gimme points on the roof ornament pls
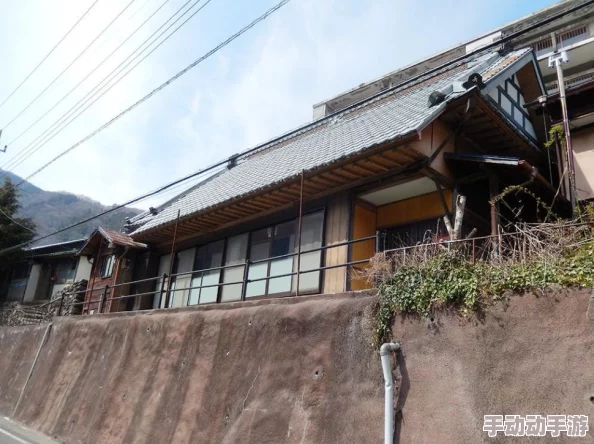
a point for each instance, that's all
(474, 79)
(435, 98)
(232, 161)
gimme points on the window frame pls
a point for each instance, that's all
(103, 271)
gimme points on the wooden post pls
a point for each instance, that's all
(62, 304)
(493, 191)
(103, 299)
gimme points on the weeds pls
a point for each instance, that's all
(430, 277)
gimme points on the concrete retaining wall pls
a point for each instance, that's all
(297, 372)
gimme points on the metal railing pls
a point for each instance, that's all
(506, 245)
(99, 299)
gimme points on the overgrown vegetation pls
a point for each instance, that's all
(469, 276)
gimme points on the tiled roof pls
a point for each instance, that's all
(111, 236)
(389, 116)
(120, 239)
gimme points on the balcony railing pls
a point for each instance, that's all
(564, 40)
(515, 246)
(571, 81)
(101, 297)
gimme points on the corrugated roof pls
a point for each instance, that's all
(388, 117)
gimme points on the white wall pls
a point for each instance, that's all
(83, 269)
(32, 283)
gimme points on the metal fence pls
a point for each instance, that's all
(100, 298)
(517, 245)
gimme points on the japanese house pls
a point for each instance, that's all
(299, 213)
(47, 269)
(113, 255)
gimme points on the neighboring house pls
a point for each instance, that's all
(572, 33)
(393, 163)
(113, 255)
(46, 270)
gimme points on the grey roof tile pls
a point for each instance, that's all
(381, 119)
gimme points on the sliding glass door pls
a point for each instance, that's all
(208, 256)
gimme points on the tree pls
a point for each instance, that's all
(13, 230)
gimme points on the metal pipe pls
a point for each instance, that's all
(171, 258)
(299, 234)
(568, 147)
(384, 352)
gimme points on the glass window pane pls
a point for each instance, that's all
(195, 292)
(311, 231)
(208, 256)
(280, 267)
(65, 271)
(310, 281)
(209, 294)
(235, 254)
(283, 243)
(184, 264)
(284, 239)
(260, 249)
(258, 288)
(311, 237)
(232, 292)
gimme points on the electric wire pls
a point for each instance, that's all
(328, 117)
(54, 129)
(90, 73)
(48, 54)
(15, 222)
(68, 67)
(85, 78)
(178, 181)
(160, 87)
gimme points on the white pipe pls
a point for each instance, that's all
(385, 350)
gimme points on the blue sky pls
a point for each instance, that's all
(261, 85)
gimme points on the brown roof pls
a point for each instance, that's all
(113, 237)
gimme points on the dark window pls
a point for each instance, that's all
(426, 231)
(21, 271)
(65, 271)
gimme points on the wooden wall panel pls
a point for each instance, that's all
(364, 225)
(431, 139)
(337, 231)
(412, 210)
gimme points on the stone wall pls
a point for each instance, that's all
(297, 371)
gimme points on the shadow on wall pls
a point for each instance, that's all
(403, 389)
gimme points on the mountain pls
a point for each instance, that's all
(53, 210)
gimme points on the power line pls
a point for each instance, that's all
(178, 181)
(68, 67)
(328, 117)
(160, 87)
(49, 53)
(15, 222)
(47, 135)
(89, 74)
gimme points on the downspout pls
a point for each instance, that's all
(385, 350)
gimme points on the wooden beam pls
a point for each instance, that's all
(362, 168)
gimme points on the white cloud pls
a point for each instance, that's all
(260, 86)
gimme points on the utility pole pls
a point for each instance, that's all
(3, 150)
(555, 61)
